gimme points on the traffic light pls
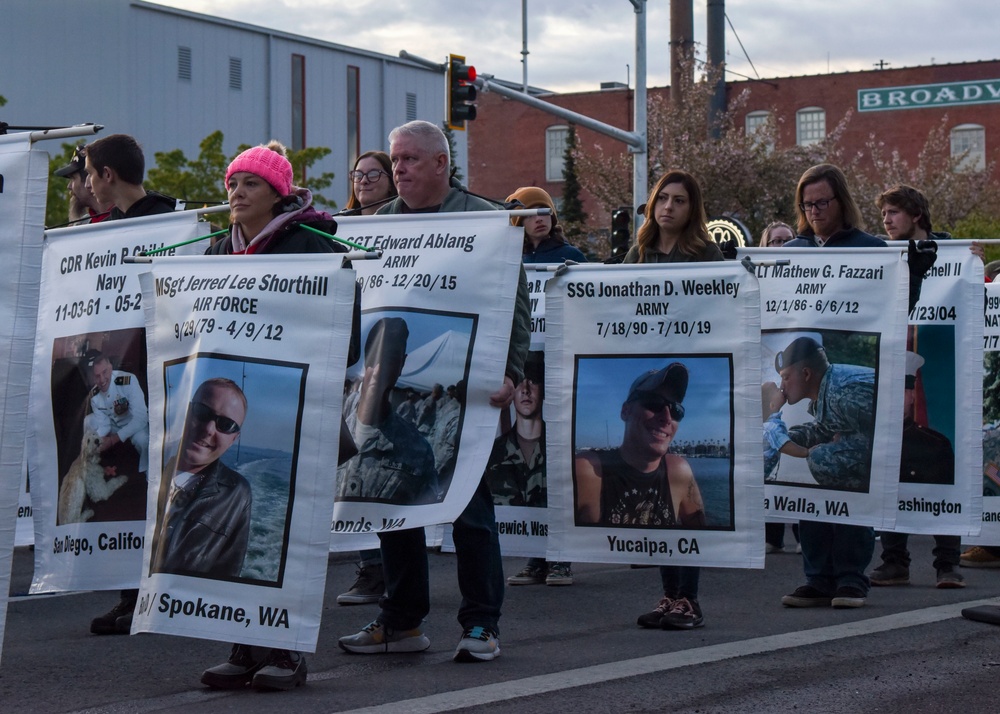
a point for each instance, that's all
(621, 231)
(460, 93)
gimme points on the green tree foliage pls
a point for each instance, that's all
(991, 387)
(197, 181)
(57, 198)
(571, 214)
(3, 100)
(450, 136)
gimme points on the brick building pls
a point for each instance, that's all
(511, 144)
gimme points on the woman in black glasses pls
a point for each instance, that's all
(371, 183)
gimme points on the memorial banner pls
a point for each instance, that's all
(990, 532)
(23, 177)
(89, 439)
(940, 489)
(246, 366)
(653, 439)
(436, 318)
(833, 342)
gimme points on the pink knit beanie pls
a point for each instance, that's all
(269, 165)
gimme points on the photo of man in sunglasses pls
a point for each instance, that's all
(639, 484)
(203, 509)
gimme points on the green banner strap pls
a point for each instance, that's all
(331, 237)
(187, 242)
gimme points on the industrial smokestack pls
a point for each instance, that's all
(717, 61)
(681, 45)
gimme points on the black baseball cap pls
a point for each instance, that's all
(77, 165)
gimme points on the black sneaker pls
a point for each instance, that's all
(848, 597)
(651, 620)
(367, 589)
(107, 624)
(684, 614)
(235, 673)
(806, 596)
(890, 574)
(282, 669)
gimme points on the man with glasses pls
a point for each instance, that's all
(835, 555)
(203, 511)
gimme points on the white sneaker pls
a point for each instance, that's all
(477, 645)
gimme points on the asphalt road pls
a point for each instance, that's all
(572, 649)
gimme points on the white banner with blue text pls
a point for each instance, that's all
(940, 488)
(833, 343)
(23, 177)
(246, 366)
(653, 445)
(89, 436)
(990, 425)
(436, 312)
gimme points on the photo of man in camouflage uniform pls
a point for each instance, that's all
(395, 463)
(842, 405)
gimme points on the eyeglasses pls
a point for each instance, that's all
(656, 404)
(373, 176)
(204, 414)
(819, 205)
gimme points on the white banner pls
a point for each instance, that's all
(833, 326)
(516, 469)
(23, 178)
(940, 489)
(653, 444)
(25, 532)
(89, 436)
(436, 313)
(246, 367)
(990, 533)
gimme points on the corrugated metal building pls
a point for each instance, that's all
(170, 78)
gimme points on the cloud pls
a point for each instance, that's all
(573, 46)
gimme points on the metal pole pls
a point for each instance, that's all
(65, 133)
(640, 153)
(524, 44)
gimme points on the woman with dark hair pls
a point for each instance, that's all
(269, 215)
(371, 183)
(675, 229)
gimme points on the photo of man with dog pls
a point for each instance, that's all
(102, 426)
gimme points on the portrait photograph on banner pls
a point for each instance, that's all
(621, 425)
(407, 391)
(833, 354)
(255, 408)
(247, 362)
(845, 363)
(99, 396)
(990, 428)
(89, 453)
(653, 450)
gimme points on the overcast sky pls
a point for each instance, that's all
(575, 45)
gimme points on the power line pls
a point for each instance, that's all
(745, 54)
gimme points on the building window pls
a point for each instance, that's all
(411, 106)
(757, 121)
(235, 73)
(353, 114)
(298, 102)
(184, 63)
(810, 126)
(555, 152)
(969, 141)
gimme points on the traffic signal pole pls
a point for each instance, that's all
(635, 140)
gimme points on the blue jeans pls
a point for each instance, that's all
(480, 570)
(680, 581)
(835, 555)
(947, 550)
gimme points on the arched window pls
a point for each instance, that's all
(969, 141)
(810, 126)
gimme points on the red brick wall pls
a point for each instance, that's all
(507, 140)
